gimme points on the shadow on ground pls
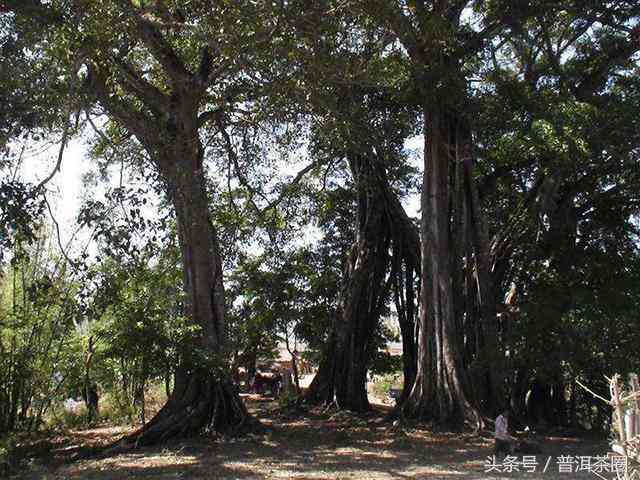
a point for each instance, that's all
(313, 446)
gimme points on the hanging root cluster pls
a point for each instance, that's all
(385, 255)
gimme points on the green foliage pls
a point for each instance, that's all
(549, 91)
(283, 298)
(383, 383)
(19, 216)
(289, 400)
(61, 418)
(7, 454)
(38, 348)
(138, 328)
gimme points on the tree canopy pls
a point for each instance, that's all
(266, 193)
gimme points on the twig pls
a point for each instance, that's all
(233, 157)
(631, 396)
(99, 132)
(608, 402)
(299, 176)
(55, 223)
(63, 144)
(19, 162)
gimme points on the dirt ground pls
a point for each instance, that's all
(311, 445)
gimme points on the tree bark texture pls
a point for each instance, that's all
(363, 293)
(441, 391)
(386, 242)
(204, 397)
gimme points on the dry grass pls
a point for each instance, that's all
(308, 445)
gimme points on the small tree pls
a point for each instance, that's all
(38, 349)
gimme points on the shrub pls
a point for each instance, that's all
(384, 383)
(289, 400)
(7, 455)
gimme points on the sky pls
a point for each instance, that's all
(66, 190)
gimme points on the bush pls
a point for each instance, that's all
(289, 400)
(115, 410)
(7, 455)
(67, 415)
(384, 383)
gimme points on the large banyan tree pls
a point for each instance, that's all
(361, 121)
(163, 74)
(383, 257)
(466, 265)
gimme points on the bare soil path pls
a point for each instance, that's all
(308, 445)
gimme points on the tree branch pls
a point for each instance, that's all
(608, 402)
(477, 40)
(63, 144)
(586, 87)
(148, 94)
(209, 115)
(161, 49)
(234, 159)
(133, 120)
(57, 227)
(400, 24)
(299, 176)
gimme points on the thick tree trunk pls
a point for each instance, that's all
(541, 407)
(382, 226)
(441, 390)
(321, 389)
(167, 125)
(573, 417)
(559, 404)
(343, 372)
(360, 309)
(204, 397)
(167, 384)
